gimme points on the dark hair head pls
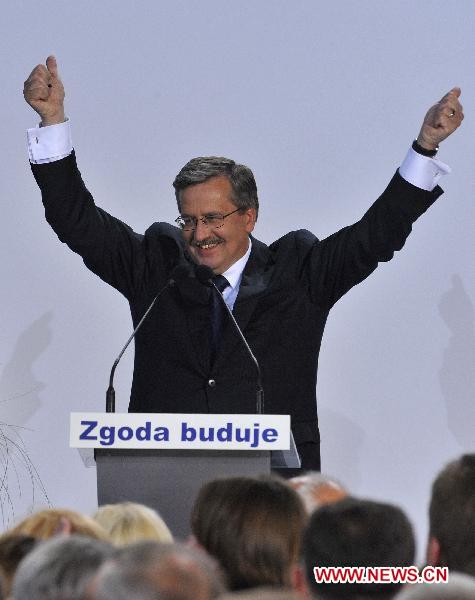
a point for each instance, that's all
(252, 527)
(202, 168)
(357, 533)
(452, 514)
(13, 549)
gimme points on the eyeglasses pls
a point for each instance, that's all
(215, 221)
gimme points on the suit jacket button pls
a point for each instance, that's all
(211, 383)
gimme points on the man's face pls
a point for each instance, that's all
(217, 248)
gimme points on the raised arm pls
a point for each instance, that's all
(108, 247)
(347, 257)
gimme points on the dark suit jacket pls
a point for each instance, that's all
(286, 292)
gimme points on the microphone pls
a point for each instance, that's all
(205, 276)
(181, 271)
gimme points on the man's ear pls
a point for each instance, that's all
(64, 527)
(298, 581)
(433, 552)
(251, 219)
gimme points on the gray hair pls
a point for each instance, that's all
(60, 568)
(459, 587)
(202, 168)
(169, 570)
(262, 593)
(116, 584)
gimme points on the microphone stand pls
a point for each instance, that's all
(179, 272)
(205, 275)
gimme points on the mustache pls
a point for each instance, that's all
(207, 241)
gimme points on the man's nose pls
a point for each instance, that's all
(201, 232)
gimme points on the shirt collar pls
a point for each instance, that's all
(235, 271)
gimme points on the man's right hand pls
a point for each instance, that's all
(44, 92)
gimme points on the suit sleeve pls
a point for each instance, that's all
(339, 262)
(110, 248)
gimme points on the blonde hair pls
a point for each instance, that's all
(129, 522)
(54, 521)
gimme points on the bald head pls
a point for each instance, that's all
(316, 489)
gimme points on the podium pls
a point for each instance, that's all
(168, 480)
(168, 476)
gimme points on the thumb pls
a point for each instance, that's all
(456, 91)
(52, 66)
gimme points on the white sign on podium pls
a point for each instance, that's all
(166, 431)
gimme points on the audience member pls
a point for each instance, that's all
(116, 584)
(60, 568)
(55, 521)
(263, 593)
(317, 489)
(13, 548)
(459, 587)
(252, 527)
(452, 517)
(170, 571)
(355, 532)
(129, 522)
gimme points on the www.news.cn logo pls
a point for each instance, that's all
(402, 575)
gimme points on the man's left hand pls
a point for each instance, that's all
(441, 120)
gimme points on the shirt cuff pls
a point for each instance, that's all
(51, 143)
(422, 171)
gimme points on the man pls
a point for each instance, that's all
(356, 533)
(316, 489)
(263, 593)
(13, 549)
(452, 517)
(60, 568)
(164, 570)
(280, 295)
(459, 587)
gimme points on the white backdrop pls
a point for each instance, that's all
(322, 100)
